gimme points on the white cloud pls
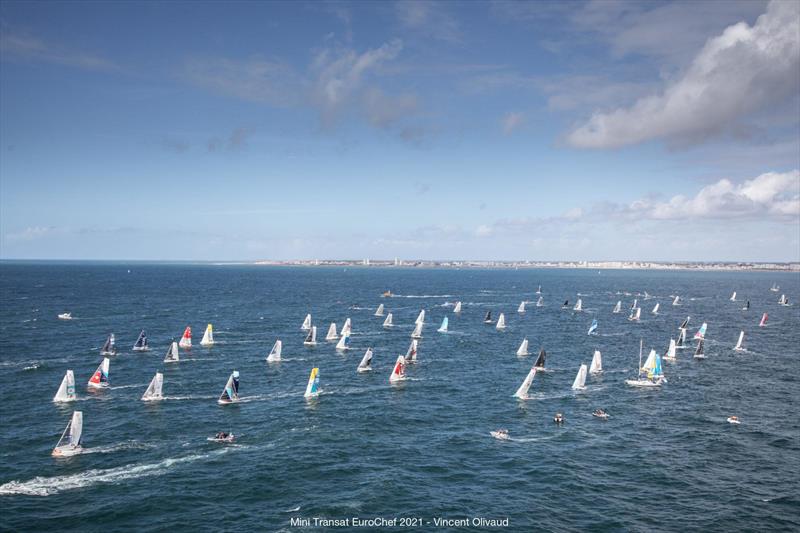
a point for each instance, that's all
(512, 121)
(742, 71)
(483, 231)
(26, 47)
(430, 18)
(31, 233)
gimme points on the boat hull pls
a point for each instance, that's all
(67, 451)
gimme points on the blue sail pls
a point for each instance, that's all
(592, 327)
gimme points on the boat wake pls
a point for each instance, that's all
(128, 386)
(423, 296)
(129, 445)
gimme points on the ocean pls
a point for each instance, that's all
(418, 453)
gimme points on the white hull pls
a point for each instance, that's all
(103, 385)
(645, 383)
(67, 451)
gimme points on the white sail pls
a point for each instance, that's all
(173, 356)
(366, 362)
(523, 348)
(141, 343)
(700, 353)
(311, 338)
(522, 391)
(99, 379)
(208, 336)
(344, 343)
(676, 301)
(580, 379)
(540, 302)
(347, 328)
(306, 323)
(650, 362)
(655, 309)
(733, 296)
(457, 308)
(782, 300)
(681, 339)
(66, 391)
(275, 353)
(501, 322)
(420, 318)
(670, 355)
(379, 312)
(109, 347)
(417, 333)
(312, 388)
(578, 305)
(153, 391)
(539, 290)
(332, 335)
(388, 322)
(398, 370)
(70, 442)
(443, 327)
(411, 354)
(739, 347)
(230, 394)
(597, 363)
(636, 313)
(618, 307)
(521, 308)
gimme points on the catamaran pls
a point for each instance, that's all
(420, 318)
(66, 391)
(501, 322)
(701, 333)
(648, 378)
(523, 348)
(398, 370)
(311, 338)
(681, 343)
(347, 328)
(153, 392)
(99, 379)
(230, 394)
(312, 388)
(522, 391)
(593, 327)
(580, 379)
(443, 327)
(488, 318)
(618, 307)
(109, 348)
(775, 288)
(636, 313)
(388, 322)
(539, 364)
(739, 347)
(275, 353)
(417, 333)
(578, 305)
(596, 367)
(173, 356)
(208, 336)
(670, 354)
(411, 354)
(733, 296)
(306, 325)
(699, 353)
(344, 343)
(655, 309)
(676, 301)
(141, 343)
(73, 434)
(366, 362)
(457, 308)
(540, 302)
(186, 338)
(763, 322)
(379, 312)
(521, 308)
(332, 335)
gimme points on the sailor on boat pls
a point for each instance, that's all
(501, 434)
(733, 419)
(600, 413)
(559, 418)
(223, 436)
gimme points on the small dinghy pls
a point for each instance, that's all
(596, 366)
(366, 362)
(739, 347)
(65, 316)
(676, 301)
(306, 323)
(540, 302)
(580, 379)
(344, 343)
(388, 322)
(488, 318)
(539, 364)
(523, 348)
(398, 370)
(618, 307)
(593, 327)
(347, 328)
(312, 388)
(411, 354)
(311, 338)
(784, 301)
(66, 391)
(501, 322)
(566, 305)
(223, 437)
(99, 379)
(443, 327)
(379, 311)
(70, 442)
(522, 391)
(733, 420)
(109, 347)
(173, 355)
(501, 434)
(457, 308)
(332, 335)
(521, 308)
(141, 343)
(578, 305)
(208, 336)
(558, 418)
(746, 306)
(655, 309)
(275, 353)
(733, 297)
(774, 288)
(153, 392)
(601, 414)
(230, 394)
(186, 338)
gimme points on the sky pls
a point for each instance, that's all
(584, 130)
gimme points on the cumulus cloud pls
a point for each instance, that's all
(18, 46)
(512, 121)
(740, 72)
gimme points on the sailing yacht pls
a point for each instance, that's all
(65, 316)
(275, 353)
(523, 348)
(347, 329)
(521, 308)
(566, 305)
(311, 338)
(681, 343)
(578, 305)
(488, 318)
(636, 313)
(417, 333)
(186, 338)
(443, 327)
(420, 318)
(99, 379)
(66, 391)
(670, 355)
(153, 392)
(733, 296)
(593, 327)
(306, 325)
(344, 343)
(774, 288)
(411, 354)
(141, 343)
(312, 388)
(539, 290)
(332, 335)
(763, 322)
(208, 336)
(739, 347)
(398, 370)
(70, 442)
(580, 379)
(540, 360)
(457, 308)
(501, 322)
(230, 394)
(618, 307)
(701, 333)
(540, 302)
(648, 378)
(173, 356)
(379, 312)
(596, 367)
(746, 306)
(366, 362)
(522, 391)
(655, 309)
(109, 348)
(700, 353)
(784, 301)
(388, 322)
(676, 301)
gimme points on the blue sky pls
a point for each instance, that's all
(438, 130)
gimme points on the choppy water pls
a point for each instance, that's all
(666, 460)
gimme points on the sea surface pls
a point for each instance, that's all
(666, 460)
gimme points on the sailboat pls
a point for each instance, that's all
(332, 335)
(70, 442)
(275, 353)
(540, 302)
(411, 354)
(699, 353)
(141, 343)
(312, 388)
(457, 308)
(523, 348)
(208, 336)
(522, 391)
(763, 322)
(417, 333)
(109, 348)
(344, 343)
(65, 316)
(578, 305)
(388, 322)
(420, 318)
(618, 307)
(521, 308)
(501, 322)
(540, 360)
(306, 323)
(655, 309)
(746, 306)
(596, 366)
(173, 356)
(66, 391)
(636, 313)
(739, 347)
(676, 301)
(539, 290)
(153, 392)
(186, 338)
(701, 333)
(652, 378)
(681, 343)
(566, 305)
(580, 379)
(593, 327)
(443, 327)
(774, 288)
(311, 338)
(783, 300)
(488, 318)
(379, 311)
(366, 362)
(650, 362)
(685, 323)
(347, 328)
(398, 370)
(230, 394)
(99, 379)
(733, 296)
(670, 355)
(635, 304)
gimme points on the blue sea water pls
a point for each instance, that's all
(666, 460)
